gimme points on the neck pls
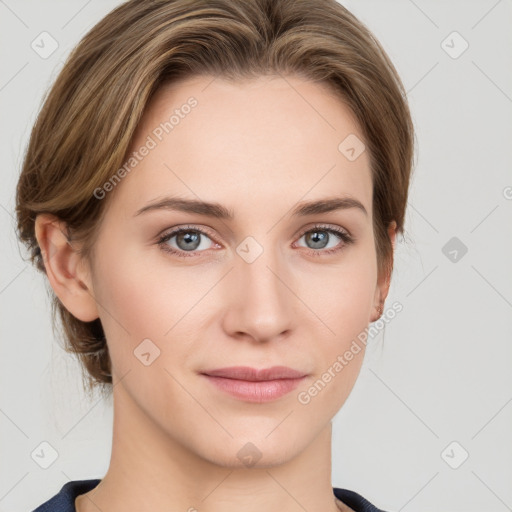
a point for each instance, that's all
(149, 470)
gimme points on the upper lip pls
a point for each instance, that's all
(253, 374)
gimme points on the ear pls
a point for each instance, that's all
(65, 269)
(384, 281)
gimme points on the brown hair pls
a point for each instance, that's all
(89, 116)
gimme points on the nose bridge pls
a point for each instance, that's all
(258, 264)
(261, 303)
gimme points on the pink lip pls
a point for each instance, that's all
(254, 385)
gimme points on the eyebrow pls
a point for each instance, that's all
(216, 210)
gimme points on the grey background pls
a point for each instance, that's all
(439, 372)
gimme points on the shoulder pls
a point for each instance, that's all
(64, 500)
(355, 501)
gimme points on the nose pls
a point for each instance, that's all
(260, 305)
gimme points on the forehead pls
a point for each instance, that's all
(264, 139)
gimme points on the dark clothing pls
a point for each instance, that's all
(64, 500)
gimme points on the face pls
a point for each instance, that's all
(263, 285)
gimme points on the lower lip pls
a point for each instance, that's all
(252, 391)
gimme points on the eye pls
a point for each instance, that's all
(190, 241)
(325, 240)
(186, 239)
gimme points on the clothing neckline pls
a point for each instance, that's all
(64, 500)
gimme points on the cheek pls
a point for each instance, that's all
(345, 306)
(345, 297)
(146, 298)
(339, 351)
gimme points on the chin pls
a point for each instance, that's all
(254, 451)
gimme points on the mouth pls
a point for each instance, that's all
(253, 385)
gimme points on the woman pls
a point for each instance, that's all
(213, 190)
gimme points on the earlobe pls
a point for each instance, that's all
(64, 268)
(385, 281)
(392, 236)
(392, 233)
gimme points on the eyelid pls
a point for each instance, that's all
(321, 225)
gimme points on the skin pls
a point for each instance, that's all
(259, 147)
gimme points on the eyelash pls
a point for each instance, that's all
(345, 237)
